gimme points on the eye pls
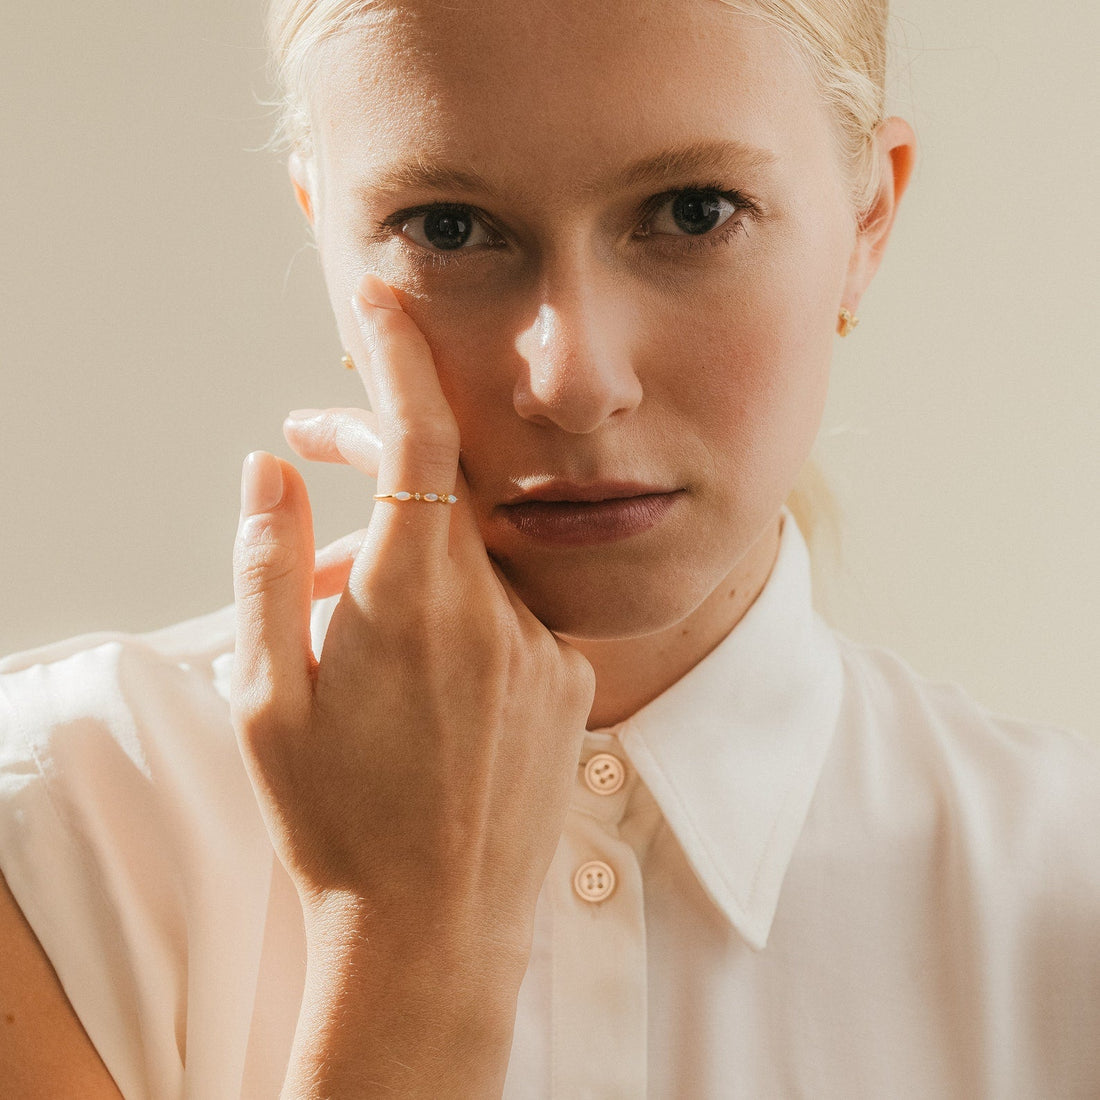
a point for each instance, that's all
(695, 216)
(444, 228)
(694, 212)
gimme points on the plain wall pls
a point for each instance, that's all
(161, 309)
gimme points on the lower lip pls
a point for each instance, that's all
(585, 523)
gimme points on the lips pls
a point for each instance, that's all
(559, 489)
(569, 514)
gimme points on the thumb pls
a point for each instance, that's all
(272, 584)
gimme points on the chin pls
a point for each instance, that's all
(608, 603)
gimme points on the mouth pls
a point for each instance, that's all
(564, 513)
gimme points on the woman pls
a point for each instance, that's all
(579, 798)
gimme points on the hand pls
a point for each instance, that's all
(349, 437)
(417, 774)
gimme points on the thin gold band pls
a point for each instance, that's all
(426, 498)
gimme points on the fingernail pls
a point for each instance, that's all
(261, 483)
(302, 415)
(375, 292)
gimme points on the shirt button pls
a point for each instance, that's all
(604, 773)
(594, 880)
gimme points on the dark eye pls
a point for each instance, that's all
(692, 213)
(444, 228)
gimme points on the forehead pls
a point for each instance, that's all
(527, 90)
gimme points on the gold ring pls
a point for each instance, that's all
(428, 498)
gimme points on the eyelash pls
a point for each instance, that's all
(743, 205)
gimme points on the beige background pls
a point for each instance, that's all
(161, 309)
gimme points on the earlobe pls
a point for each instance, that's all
(301, 180)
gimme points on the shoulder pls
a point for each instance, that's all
(119, 720)
(96, 736)
(961, 845)
(125, 739)
(1009, 793)
(125, 728)
(150, 700)
(102, 685)
(887, 698)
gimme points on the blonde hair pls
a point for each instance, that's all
(843, 42)
(295, 29)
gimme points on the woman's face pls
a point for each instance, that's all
(625, 233)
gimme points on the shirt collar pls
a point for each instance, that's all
(732, 751)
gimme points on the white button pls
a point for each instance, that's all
(604, 773)
(594, 880)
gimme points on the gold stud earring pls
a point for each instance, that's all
(346, 360)
(847, 321)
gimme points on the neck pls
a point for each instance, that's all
(631, 672)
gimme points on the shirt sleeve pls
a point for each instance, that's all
(130, 839)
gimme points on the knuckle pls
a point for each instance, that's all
(252, 711)
(252, 708)
(580, 676)
(428, 442)
(345, 438)
(262, 719)
(261, 559)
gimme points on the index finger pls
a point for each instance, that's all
(420, 441)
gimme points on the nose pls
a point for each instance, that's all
(579, 370)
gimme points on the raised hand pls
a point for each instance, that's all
(345, 436)
(414, 778)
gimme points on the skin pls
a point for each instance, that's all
(579, 349)
(414, 778)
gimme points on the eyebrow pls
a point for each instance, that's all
(694, 158)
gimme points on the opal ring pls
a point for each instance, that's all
(428, 498)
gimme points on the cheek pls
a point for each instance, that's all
(474, 354)
(757, 357)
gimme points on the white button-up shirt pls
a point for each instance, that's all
(802, 871)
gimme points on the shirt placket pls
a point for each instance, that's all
(598, 992)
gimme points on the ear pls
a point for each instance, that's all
(301, 178)
(896, 147)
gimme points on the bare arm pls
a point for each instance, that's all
(45, 1053)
